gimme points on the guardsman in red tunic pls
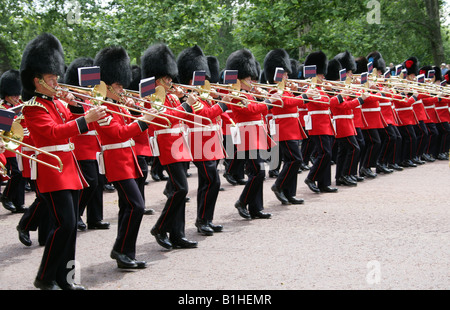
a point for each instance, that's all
(342, 110)
(51, 125)
(118, 156)
(285, 129)
(13, 197)
(205, 143)
(442, 109)
(254, 138)
(87, 145)
(412, 68)
(158, 61)
(320, 127)
(430, 102)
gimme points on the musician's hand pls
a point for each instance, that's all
(95, 113)
(67, 97)
(192, 99)
(416, 93)
(364, 96)
(311, 93)
(150, 117)
(2, 146)
(128, 102)
(346, 93)
(177, 91)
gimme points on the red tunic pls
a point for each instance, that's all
(342, 110)
(252, 128)
(320, 114)
(120, 161)
(51, 124)
(286, 119)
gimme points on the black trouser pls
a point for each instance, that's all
(131, 210)
(172, 218)
(252, 194)
(371, 151)
(92, 196)
(59, 253)
(390, 144)
(208, 189)
(321, 169)
(433, 139)
(347, 156)
(422, 138)
(307, 149)
(233, 165)
(444, 134)
(292, 159)
(15, 187)
(409, 142)
(143, 164)
(36, 216)
(157, 168)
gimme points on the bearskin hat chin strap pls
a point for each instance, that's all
(46, 86)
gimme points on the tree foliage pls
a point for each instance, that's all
(220, 27)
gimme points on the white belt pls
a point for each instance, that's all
(204, 129)
(58, 148)
(371, 110)
(385, 104)
(296, 115)
(170, 130)
(250, 123)
(319, 112)
(350, 116)
(430, 107)
(27, 149)
(118, 145)
(441, 108)
(404, 109)
(302, 110)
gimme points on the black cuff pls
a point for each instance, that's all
(305, 97)
(340, 99)
(361, 100)
(187, 107)
(143, 125)
(82, 125)
(223, 106)
(134, 113)
(79, 110)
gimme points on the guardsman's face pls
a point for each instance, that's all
(118, 88)
(12, 99)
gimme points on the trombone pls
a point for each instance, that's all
(13, 139)
(157, 101)
(98, 93)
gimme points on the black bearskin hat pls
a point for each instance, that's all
(190, 60)
(214, 68)
(437, 73)
(295, 66)
(320, 60)
(135, 77)
(42, 55)
(10, 84)
(71, 75)
(347, 61)
(159, 61)
(274, 59)
(243, 61)
(378, 61)
(114, 65)
(411, 65)
(361, 65)
(334, 66)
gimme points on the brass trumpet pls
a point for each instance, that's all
(157, 101)
(13, 139)
(97, 95)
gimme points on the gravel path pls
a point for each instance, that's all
(388, 233)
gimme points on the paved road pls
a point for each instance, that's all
(388, 233)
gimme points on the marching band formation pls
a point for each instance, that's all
(347, 111)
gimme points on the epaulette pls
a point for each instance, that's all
(33, 103)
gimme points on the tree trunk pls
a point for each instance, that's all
(433, 10)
